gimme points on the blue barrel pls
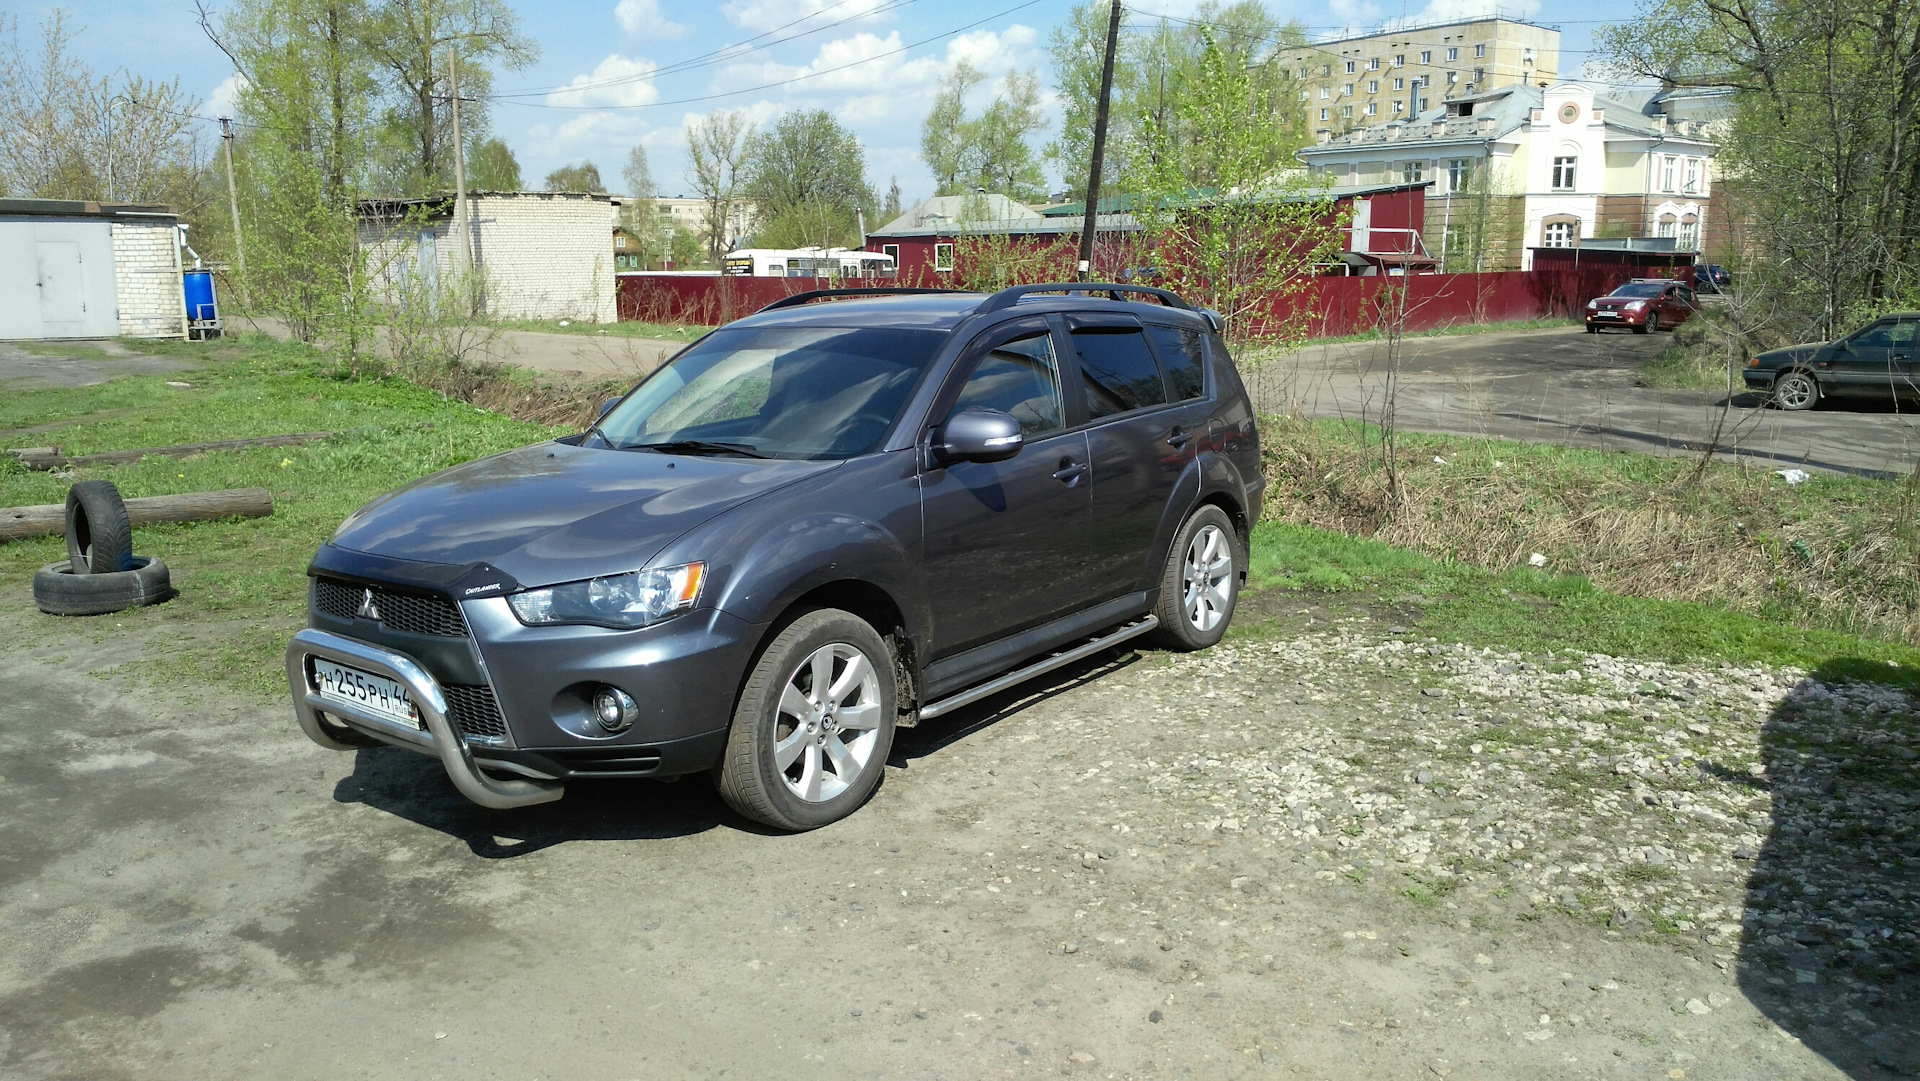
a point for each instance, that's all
(200, 305)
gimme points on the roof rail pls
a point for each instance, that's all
(798, 299)
(1007, 298)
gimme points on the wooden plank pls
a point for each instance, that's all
(39, 521)
(120, 457)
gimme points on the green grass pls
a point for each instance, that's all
(1531, 611)
(1690, 367)
(669, 331)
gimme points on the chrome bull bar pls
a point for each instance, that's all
(439, 740)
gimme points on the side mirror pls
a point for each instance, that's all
(607, 405)
(978, 435)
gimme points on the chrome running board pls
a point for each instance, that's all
(1045, 664)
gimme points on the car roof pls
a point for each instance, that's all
(944, 311)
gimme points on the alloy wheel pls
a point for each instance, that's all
(828, 722)
(1203, 575)
(1795, 391)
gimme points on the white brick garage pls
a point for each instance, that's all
(72, 269)
(543, 255)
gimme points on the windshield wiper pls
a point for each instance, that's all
(698, 446)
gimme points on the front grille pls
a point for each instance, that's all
(413, 613)
(474, 712)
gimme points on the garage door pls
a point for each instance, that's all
(56, 280)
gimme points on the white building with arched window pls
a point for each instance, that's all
(1523, 167)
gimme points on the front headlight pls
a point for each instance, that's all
(619, 600)
(1637, 305)
(1593, 305)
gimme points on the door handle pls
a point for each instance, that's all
(1179, 438)
(1069, 472)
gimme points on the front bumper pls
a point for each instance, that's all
(1616, 317)
(439, 740)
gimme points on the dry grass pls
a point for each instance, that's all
(516, 392)
(1835, 553)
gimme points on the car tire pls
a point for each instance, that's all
(1591, 329)
(1198, 593)
(99, 533)
(832, 762)
(1795, 391)
(58, 591)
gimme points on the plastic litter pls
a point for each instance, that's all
(1793, 476)
(1536, 560)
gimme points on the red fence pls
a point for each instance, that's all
(1337, 306)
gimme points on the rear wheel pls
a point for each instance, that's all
(1795, 391)
(1201, 582)
(814, 724)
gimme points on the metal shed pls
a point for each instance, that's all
(73, 269)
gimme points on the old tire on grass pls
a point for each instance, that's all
(1795, 391)
(801, 755)
(1201, 582)
(60, 592)
(99, 533)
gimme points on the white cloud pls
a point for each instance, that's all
(617, 81)
(220, 102)
(642, 17)
(769, 14)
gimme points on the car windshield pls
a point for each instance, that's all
(1640, 289)
(775, 392)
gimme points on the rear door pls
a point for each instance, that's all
(1140, 435)
(1004, 545)
(1864, 363)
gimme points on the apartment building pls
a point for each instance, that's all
(690, 215)
(1526, 166)
(1394, 74)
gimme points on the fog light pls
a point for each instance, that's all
(614, 709)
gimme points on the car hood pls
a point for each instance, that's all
(1621, 302)
(557, 513)
(1791, 354)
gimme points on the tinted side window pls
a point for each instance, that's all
(1020, 378)
(1878, 336)
(1180, 352)
(1116, 370)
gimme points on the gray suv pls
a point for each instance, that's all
(855, 510)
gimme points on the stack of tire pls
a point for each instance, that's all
(100, 574)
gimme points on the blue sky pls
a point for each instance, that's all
(615, 72)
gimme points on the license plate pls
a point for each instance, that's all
(1607, 315)
(366, 690)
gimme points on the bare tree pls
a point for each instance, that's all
(717, 148)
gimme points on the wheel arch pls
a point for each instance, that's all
(871, 603)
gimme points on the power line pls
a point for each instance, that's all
(781, 82)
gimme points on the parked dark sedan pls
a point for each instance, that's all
(1643, 304)
(810, 526)
(1878, 359)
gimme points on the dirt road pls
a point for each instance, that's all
(1566, 386)
(1320, 851)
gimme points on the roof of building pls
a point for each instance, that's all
(441, 202)
(1498, 113)
(950, 211)
(83, 208)
(1318, 44)
(1129, 203)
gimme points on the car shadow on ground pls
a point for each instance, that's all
(1829, 950)
(931, 737)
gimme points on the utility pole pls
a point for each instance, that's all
(461, 231)
(233, 203)
(1099, 144)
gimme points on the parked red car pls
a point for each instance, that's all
(1643, 304)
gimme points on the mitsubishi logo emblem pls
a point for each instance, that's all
(368, 610)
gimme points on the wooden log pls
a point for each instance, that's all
(119, 457)
(34, 455)
(20, 522)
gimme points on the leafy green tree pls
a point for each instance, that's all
(945, 135)
(992, 150)
(717, 151)
(582, 177)
(807, 177)
(1820, 162)
(891, 209)
(491, 166)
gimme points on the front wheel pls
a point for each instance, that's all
(1795, 391)
(814, 724)
(1200, 584)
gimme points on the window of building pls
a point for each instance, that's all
(1526, 56)
(1399, 106)
(1346, 110)
(1349, 67)
(1669, 167)
(1373, 86)
(1669, 226)
(1400, 84)
(1690, 235)
(1326, 114)
(1373, 63)
(1426, 57)
(1452, 77)
(1452, 55)
(892, 251)
(620, 243)
(1347, 89)
(1459, 174)
(1560, 234)
(1563, 173)
(943, 257)
(1413, 172)
(1303, 95)
(1373, 108)
(1326, 70)
(1479, 50)
(1303, 71)
(1479, 75)
(1399, 60)
(1326, 92)
(1693, 176)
